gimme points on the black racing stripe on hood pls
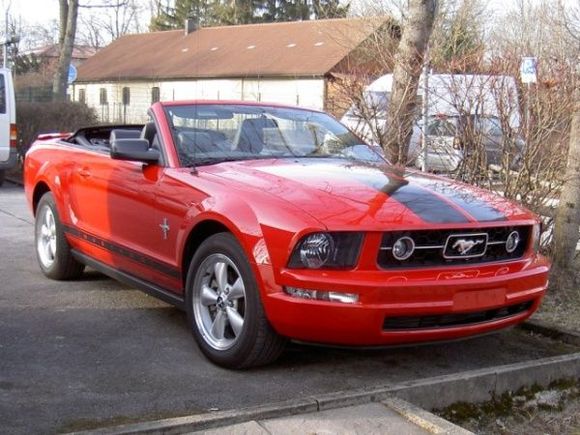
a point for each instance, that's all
(422, 202)
(476, 207)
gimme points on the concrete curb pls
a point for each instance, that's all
(481, 385)
(424, 419)
(438, 392)
(549, 330)
(212, 420)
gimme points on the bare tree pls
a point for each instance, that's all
(111, 20)
(568, 215)
(68, 25)
(408, 64)
(114, 19)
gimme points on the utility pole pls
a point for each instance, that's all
(5, 51)
(425, 109)
(8, 40)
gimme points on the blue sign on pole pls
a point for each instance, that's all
(72, 74)
(528, 69)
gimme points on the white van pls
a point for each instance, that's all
(8, 150)
(453, 99)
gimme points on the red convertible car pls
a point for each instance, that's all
(268, 223)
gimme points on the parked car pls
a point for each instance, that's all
(464, 113)
(267, 223)
(443, 151)
(450, 139)
(8, 150)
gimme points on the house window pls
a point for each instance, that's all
(126, 96)
(155, 95)
(103, 97)
(82, 96)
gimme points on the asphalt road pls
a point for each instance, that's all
(90, 353)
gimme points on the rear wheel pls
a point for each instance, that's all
(2, 176)
(224, 307)
(52, 249)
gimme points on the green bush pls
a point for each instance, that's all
(33, 119)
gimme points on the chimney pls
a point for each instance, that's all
(191, 25)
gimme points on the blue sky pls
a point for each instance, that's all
(43, 11)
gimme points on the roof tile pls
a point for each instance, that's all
(302, 48)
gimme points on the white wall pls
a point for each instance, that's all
(301, 92)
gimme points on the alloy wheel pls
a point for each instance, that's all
(219, 301)
(46, 237)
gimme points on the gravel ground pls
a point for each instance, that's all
(560, 311)
(561, 306)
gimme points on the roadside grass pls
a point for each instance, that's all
(555, 410)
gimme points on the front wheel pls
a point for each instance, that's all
(52, 249)
(224, 307)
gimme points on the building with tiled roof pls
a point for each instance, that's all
(289, 63)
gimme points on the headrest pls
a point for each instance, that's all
(123, 134)
(252, 134)
(149, 131)
(195, 142)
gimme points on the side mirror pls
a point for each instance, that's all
(134, 149)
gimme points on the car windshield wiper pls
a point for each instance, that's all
(222, 159)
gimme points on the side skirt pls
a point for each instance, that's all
(145, 286)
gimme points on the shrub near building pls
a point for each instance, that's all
(38, 118)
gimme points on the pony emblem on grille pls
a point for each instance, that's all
(463, 246)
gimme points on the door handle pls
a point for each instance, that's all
(84, 172)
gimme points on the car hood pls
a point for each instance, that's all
(343, 194)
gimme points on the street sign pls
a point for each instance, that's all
(72, 74)
(528, 69)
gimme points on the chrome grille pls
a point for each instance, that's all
(433, 247)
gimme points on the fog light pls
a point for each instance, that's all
(512, 242)
(345, 298)
(403, 248)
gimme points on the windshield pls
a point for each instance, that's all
(452, 125)
(488, 125)
(374, 104)
(206, 134)
(442, 127)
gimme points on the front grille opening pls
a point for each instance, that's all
(430, 246)
(456, 319)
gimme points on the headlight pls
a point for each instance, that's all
(338, 250)
(316, 250)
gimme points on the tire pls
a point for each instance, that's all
(52, 249)
(224, 309)
(2, 176)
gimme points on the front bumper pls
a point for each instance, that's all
(384, 295)
(12, 160)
